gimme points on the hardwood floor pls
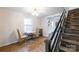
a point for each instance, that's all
(35, 45)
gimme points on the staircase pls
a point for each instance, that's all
(70, 37)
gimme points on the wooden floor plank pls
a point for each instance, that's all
(35, 45)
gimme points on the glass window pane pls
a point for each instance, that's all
(28, 25)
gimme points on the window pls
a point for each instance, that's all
(28, 25)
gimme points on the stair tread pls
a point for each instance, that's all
(73, 29)
(75, 17)
(71, 34)
(71, 41)
(71, 24)
(67, 49)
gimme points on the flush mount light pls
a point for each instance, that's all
(35, 11)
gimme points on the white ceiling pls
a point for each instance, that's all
(45, 11)
(70, 8)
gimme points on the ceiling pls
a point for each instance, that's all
(42, 11)
(70, 8)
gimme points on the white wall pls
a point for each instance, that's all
(36, 23)
(9, 22)
(44, 21)
(44, 25)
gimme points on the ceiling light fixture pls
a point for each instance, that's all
(35, 12)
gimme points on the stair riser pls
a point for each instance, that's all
(76, 15)
(74, 23)
(75, 38)
(65, 43)
(72, 32)
(74, 27)
(73, 19)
